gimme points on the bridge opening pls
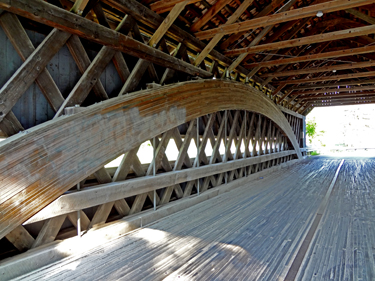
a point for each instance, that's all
(342, 130)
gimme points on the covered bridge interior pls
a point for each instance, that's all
(94, 96)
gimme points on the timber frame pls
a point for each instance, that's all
(83, 82)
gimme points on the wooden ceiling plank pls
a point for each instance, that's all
(309, 11)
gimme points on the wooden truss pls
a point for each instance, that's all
(241, 143)
(156, 45)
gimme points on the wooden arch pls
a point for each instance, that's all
(40, 164)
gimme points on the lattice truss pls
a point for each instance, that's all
(245, 142)
(251, 142)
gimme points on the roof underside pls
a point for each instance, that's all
(304, 53)
(331, 64)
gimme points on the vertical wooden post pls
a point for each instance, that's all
(225, 142)
(154, 169)
(79, 215)
(304, 132)
(245, 140)
(198, 152)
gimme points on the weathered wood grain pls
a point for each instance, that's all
(62, 152)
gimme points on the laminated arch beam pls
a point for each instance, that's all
(38, 165)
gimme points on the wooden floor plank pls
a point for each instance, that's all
(250, 233)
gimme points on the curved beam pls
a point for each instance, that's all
(40, 164)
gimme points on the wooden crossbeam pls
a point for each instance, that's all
(335, 90)
(10, 125)
(234, 37)
(180, 52)
(321, 69)
(361, 16)
(329, 78)
(153, 20)
(49, 231)
(339, 84)
(343, 103)
(24, 47)
(262, 34)
(337, 99)
(31, 69)
(304, 12)
(83, 62)
(294, 31)
(337, 96)
(139, 69)
(34, 66)
(322, 56)
(211, 12)
(20, 238)
(209, 47)
(166, 24)
(163, 6)
(330, 36)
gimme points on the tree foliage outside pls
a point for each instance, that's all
(312, 133)
(311, 128)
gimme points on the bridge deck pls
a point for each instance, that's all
(251, 233)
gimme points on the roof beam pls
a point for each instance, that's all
(211, 12)
(343, 103)
(209, 47)
(368, 98)
(166, 24)
(331, 36)
(323, 56)
(334, 90)
(361, 16)
(152, 20)
(260, 36)
(321, 69)
(167, 5)
(314, 86)
(328, 78)
(45, 13)
(309, 11)
(327, 97)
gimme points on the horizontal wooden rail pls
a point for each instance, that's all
(104, 193)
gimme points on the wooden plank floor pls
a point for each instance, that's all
(344, 246)
(250, 233)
